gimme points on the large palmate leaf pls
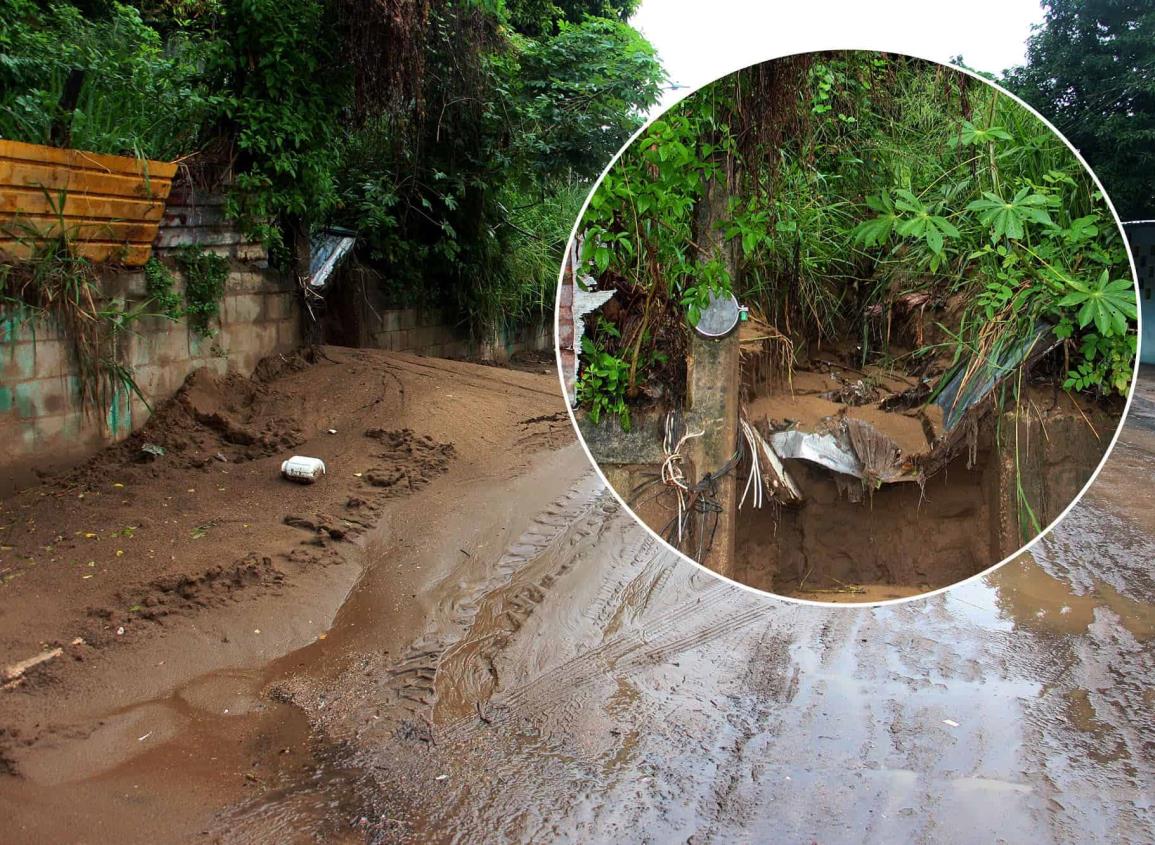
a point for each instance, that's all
(1008, 219)
(970, 135)
(1110, 305)
(923, 223)
(876, 231)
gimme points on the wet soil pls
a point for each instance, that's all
(903, 537)
(149, 574)
(815, 400)
(845, 543)
(521, 662)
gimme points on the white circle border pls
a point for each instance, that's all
(1025, 548)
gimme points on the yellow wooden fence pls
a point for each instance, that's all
(108, 207)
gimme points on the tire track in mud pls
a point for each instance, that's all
(770, 682)
(1095, 712)
(552, 699)
(591, 686)
(448, 669)
(499, 606)
(379, 710)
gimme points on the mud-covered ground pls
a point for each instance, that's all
(520, 662)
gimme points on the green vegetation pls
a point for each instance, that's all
(849, 182)
(1091, 71)
(455, 138)
(468, 200)
(158, 287)
(106, 81)
(57, 284)
(205, 274)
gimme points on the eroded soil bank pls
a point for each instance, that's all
(521, 662)
(843, 543)
(871, 488)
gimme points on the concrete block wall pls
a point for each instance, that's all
(42, 421)
(425, 331)
(428, 332)
(359, 315)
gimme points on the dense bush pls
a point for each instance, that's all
(107, 84)
(896, 177)
(469, 200)
(453, 138)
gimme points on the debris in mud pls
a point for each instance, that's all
(409, 461)
(303, 469)
(876, 452)
(17, 670)
(203, 591)
(150, 452)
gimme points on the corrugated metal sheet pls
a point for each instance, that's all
(969, 383)
(328, 249)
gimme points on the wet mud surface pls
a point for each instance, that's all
(530, 665)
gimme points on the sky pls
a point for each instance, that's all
(700, 40)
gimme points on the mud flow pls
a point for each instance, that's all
(588, 686)
(534, 666)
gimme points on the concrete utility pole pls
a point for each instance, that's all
(712, 382)
(713, 400)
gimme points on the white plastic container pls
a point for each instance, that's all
(302, 469)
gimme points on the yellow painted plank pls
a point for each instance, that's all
(129, 255)
(54, 178)
(85, 160)
(17, 201)
(78, 228)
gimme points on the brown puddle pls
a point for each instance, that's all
(1037, 600)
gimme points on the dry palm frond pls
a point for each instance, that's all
(767, 356)
(875, 450)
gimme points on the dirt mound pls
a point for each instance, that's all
(226, 418)
(408, 462)
(275, 366)
(184, 593)
(212, 413)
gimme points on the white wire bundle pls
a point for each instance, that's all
(755, 479)
(672, 473)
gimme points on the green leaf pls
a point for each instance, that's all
(934, 240)
(602, 258)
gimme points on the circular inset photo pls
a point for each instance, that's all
(848, 326)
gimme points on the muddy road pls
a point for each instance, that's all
(519, 662)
